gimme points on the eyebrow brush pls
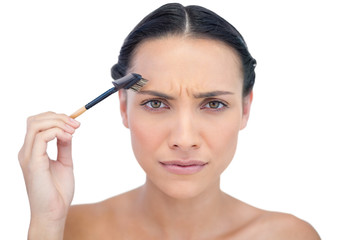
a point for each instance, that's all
(132, 81)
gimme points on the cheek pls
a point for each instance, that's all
(222, 140)
(146, 137)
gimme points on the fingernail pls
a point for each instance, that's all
(74, 121)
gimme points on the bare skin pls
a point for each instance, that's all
(191, 109)
(49, 184)
(124, 217)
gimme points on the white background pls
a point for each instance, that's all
(299, 153)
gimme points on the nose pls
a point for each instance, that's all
(185, 133)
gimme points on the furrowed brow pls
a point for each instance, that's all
(197, 95)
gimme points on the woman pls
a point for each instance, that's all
(184, 126)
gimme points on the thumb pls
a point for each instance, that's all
(64, 151)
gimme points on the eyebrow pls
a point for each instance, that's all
(197, 95)
(212, 94)
(157, 94)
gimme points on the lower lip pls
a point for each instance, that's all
(183, 170)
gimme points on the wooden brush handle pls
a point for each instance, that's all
(78, 112)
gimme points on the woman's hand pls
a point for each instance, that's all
(49, 183)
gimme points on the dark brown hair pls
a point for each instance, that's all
(175, 19)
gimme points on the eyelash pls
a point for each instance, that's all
(224, 105)
(147, 106)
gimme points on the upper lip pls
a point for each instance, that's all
(184, 163)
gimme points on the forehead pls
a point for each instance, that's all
(176, 63)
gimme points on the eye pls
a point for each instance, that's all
(154, 105)
(215, 105)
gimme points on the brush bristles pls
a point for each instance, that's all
(138, 85)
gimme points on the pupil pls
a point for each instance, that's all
(214, 104)
(155, 104)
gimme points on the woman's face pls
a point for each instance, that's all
(184, 122)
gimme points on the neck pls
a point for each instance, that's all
(184, 218)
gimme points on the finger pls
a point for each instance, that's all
(43, 122)
(52, 115)
(64, 152)
(59, 120)
(38, 126)
(39, 157)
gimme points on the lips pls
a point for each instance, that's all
(183, 167)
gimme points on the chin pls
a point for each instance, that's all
(181, 189)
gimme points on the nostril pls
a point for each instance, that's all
(184, 147)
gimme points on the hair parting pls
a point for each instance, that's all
(190, 21)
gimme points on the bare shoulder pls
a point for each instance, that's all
(254, 223)
(78, 219)
(97, 219)
(275, 225)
